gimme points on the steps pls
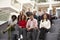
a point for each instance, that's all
(52, 35)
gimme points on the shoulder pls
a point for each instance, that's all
(9, 20)
(15, 21)
(29, 20)
(48, 20)
(25, 21)
(41, 20)
(35, 19)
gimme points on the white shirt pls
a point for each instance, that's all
(10, 22)
(45, 24)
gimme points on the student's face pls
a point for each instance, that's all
(22, 17)
(13, 18)
(45, 16)
(31, 17)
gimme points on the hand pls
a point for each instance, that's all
(20, 27)
(29, 29)
(3, 32)
(36, 28)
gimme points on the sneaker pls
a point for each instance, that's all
(18, 38)
(21, 37)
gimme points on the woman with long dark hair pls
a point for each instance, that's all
(44, 26)
(19, 16)
(22, 27)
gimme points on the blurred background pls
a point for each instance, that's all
(8, 7)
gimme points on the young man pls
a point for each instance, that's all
(11, 28)
(32, 26)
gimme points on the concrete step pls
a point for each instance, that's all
(52, 36)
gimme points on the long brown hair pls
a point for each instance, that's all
(24, 17)
(46, 18)
(21, 13)
(19, 16)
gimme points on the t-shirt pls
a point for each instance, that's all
(10, 22)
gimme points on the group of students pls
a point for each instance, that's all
(28, 26)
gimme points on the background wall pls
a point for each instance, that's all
(5, 3)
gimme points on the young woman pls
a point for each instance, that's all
(11, 28)
(19, 16)
(22, 27)
(44, 26)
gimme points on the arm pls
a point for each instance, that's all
(27, 25)
(36, 24)
(49, 24)
(9, 26)
(40, 24)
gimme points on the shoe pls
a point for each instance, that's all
(21, 37)
(18, 38)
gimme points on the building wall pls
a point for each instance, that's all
(5, 3)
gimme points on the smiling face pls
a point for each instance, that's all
(23, 17)
(31, 17)
(45, 16)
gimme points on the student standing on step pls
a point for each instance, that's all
(45, 25)
(31, 26)
(11, 28)
(22, 27)
(19, 16)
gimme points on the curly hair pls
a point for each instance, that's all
(13, 17)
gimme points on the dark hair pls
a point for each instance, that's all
(28, 14)
(46, 18)
(24, 17)
(31, 14)
(13, 17)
